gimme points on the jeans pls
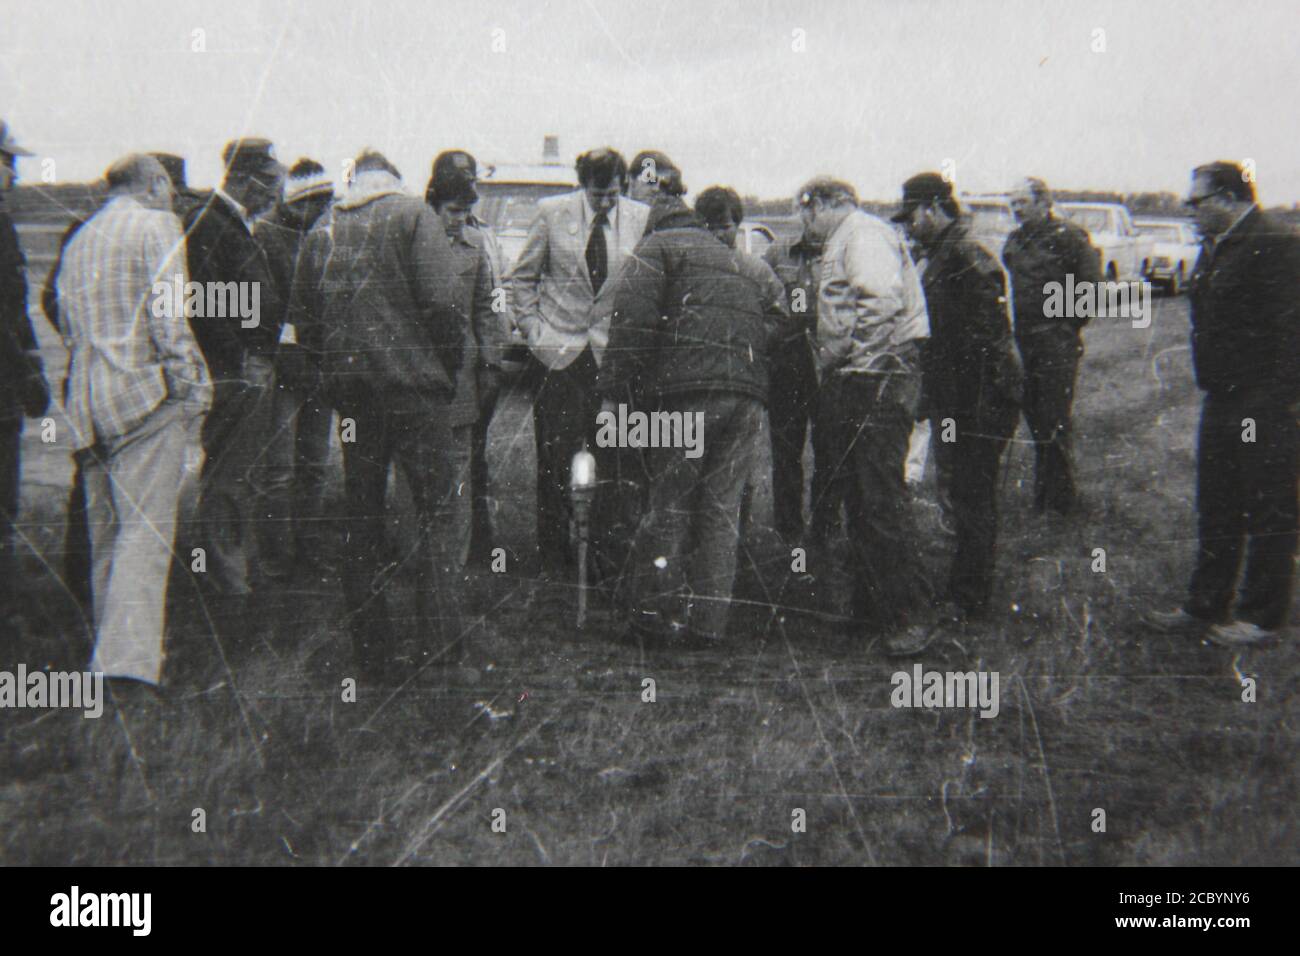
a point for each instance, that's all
(683, 561)
(419, 443)
(868, 418)
(791, 407)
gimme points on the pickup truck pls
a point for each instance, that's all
(1125, 253)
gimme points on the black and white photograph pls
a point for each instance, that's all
(689, 433)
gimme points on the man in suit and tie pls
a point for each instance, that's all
(575, 248)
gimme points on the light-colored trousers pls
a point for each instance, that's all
(133, 486)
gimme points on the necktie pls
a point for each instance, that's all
(598, 253)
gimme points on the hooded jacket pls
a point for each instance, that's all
(376, 298)
(690, 315)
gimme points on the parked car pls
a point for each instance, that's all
(991, 220)
(508, 198)
(1174, 250)
(1125, 254)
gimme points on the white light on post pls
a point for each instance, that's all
(582, 491)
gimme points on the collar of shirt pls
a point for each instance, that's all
(589, 215)
(240, 211)
(1218, 240)
(122, 200)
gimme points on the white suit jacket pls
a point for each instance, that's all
(550, 287)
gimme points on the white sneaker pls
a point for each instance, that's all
(1240, 634)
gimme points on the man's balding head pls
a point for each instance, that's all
(1031, 201)
(143, 177)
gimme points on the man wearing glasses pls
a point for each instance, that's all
(1245, 299)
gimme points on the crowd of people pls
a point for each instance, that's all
(396, 316)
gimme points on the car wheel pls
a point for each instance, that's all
(1176, 282)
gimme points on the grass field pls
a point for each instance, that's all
(548, 723)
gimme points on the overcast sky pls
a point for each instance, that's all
(757, 95)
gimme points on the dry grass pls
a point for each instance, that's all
(548, 723)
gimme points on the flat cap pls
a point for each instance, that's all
(920, 190)
(250, 155)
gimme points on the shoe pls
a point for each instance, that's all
(1241, 634)
(911, 640)
(1177, 621)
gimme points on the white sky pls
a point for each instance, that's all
(882, 89)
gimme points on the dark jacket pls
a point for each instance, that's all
(798, 266)
(281, 234)
(377, 299)
(488, 335)
(689, 316)
(969, 365)
(50, 294)
(22, 378)
(1042, 253)
(220, 249)
(1245, 296)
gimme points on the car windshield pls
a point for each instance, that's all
(1092, 220)
(510, 207)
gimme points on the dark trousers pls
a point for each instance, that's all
(419, 443)
(829, 478)
(481, 513)
(11, 433)
(311, 470)
(1051, 361)
(76, 538)
(290, 479)
(239, 441)
(1246, 504)
(564, 419)
(869, 417)
(683, 562)
(791, 407)
(968, 470)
